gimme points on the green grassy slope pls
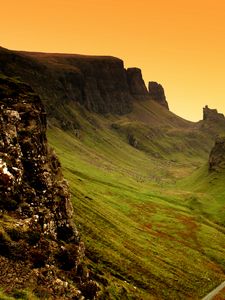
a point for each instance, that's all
(208, 188)
(17, 294)
(146, 237)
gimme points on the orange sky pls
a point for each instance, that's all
(179, 43)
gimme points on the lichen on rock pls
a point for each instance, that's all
(39, 243)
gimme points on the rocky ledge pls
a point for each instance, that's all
(40, 247)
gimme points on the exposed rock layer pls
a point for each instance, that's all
(39, 244)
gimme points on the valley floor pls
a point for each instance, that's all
(147, 235)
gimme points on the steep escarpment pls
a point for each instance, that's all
(99, 83)
(40, 247)
(217, 155)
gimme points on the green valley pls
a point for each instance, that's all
(147, 191)
(147, 235)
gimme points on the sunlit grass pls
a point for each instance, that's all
(146, 239)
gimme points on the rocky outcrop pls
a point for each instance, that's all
(212, 115)
(136, 83)
(40, 246)
(217, 155)
(157, 94)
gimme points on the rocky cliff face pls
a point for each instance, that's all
(157, 93)
(136, 83)
(212, 115)
(217, 155)
(99, 83)
(40, 247)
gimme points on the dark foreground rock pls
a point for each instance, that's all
(40, 247)
(217, 155)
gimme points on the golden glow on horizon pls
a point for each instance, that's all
(178, 43)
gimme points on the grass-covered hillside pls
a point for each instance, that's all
(147, 235)
(149, 211)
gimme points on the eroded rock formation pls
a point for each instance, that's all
(136, 83)
(217, 155)
(212, 114)
(40, 246)
(157, 93)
